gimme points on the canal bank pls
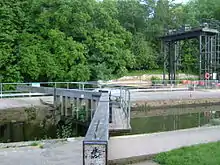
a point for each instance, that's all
(121, 150)
(35, 118)
(30, 119)
(174, 103)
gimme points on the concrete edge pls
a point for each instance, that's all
(41, 142)
(130, 160)
(158, 133)
(141, 158)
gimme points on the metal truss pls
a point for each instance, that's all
(208, 56)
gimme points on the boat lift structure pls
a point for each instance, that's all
(208, 57)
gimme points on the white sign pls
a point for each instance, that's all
(214, 76)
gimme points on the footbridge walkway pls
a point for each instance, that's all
(105, 114)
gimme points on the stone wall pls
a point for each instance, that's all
(33, 115)
(19, 124)
(155, 104)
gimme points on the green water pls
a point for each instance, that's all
(176, 121)
(176, 118)
(23, 131)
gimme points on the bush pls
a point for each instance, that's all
(155, 80)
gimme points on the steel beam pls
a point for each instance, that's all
(83, 94)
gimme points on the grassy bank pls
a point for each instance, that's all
(205, 154)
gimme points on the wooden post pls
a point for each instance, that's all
(80, 101)
(68, 106)
(65, 105)
(110, 112)
(62, 106)
(57, 103)
(54, 97)
(93, 108)
(90, 109)
(74, 107)
(87, 110)
(77, 108)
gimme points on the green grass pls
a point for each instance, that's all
(205, 154)
(37, 144)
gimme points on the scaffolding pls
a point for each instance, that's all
(208, 37)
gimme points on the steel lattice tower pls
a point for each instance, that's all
(208, 57)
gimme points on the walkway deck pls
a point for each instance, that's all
(119, 120)
(120, 148)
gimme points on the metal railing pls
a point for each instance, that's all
(10, 89)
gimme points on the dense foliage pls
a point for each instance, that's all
(80, 40)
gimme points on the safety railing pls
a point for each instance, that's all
(95, 143)
(185, 84)
(84, 94)
(10, 89)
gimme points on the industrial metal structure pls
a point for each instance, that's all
(208, 37)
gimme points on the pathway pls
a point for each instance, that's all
(7, 103)
(145, 145)
(126, 147)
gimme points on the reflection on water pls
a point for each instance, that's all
(211, 116)
(22, 131)
(155, 121)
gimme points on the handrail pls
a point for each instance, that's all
(29, 83)
(95, 143)
(60, 91)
